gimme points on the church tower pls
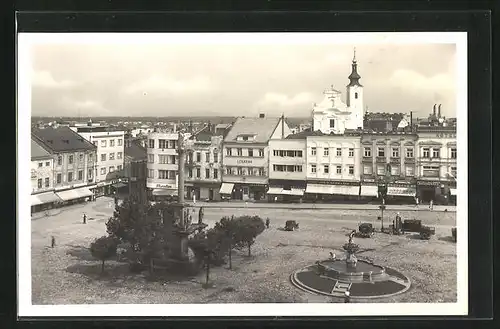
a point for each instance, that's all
(354, 99)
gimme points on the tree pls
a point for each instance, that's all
(246, 231)
(103, 249)
(228, 227)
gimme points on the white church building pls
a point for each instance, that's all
(332, 115)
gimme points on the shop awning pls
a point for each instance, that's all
(226, 188)
(76, 193)
(293, 191)
(119, 185)
(345, 190)
(401, 191)
(318, 189)
(43, 198)
(453, 191)
(165, 191)
(274, 190)
(369, 190)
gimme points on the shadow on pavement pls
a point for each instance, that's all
(112, 271)
(447, 239)
(80, 252)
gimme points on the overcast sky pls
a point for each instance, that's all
(235, 80)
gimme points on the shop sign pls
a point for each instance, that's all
(324, 182)
(165, 186)
(244, 161)
(428, 183)
(446, 135)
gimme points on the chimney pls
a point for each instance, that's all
(439, 111)
(434, 110)
(262, 115)
(283, 126)
(411, 120)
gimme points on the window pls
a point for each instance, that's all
(228, 151)
(111, 143)
(430, 171)
(325, 152)
(250, 152)
(59, 160)
(162, 144)
(435, 153)
(151, 158)
(58, 178)
(162, 159)
(261, 171)
(70, 177)
(207, 157)
(426, 152)
(207, 173)
(119, 167)
(80, 174)
(367, 170)
(339, 152)
(239, 171)
(151, 173)
(355, 95)
(162, 174)
(313, 168)
(332, 123)
(171, 174)
(380, 170)
(103, 143)
(198, 172)
(111, 156)
(368, 152)
(395, 152)
(453, 153)
(70, 159)
(287, 168)
(172, 159)
(190, 173)
(89, 176)
(313, 151)
(261, 154)
(40, 164)
(351, 170)
(338, 169)
(111, 169)
(90, 157)
(198, 156)
(410, 171)
(454, 171)
(229, 171)
(326, 169)
(120, 142)
(395, 170)
(103, 171)
(351, 152)
(80, 157)
(39, 183)
(119, 155)
(216, 173)
(216, 157)
(103, 157)
(381, 152)
(151, 143)
(239, 152)
(409, 152)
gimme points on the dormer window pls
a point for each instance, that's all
(332, 123)
(355, 95)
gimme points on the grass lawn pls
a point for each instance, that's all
(67, 274)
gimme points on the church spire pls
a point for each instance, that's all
(354, 76)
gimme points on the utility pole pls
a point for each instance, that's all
(180, 176)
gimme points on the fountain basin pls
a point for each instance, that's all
(339, 270)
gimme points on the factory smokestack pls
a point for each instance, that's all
(439, 111)
(434, 110)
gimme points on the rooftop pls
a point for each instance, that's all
(261, 128)
(136, 151)
(37, 151)
(61, 139)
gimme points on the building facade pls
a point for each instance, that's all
(110, 154)
(287, 169)
(333, 166)
(332, 115)
(162, 164)
(42, 178)
(437, 164)
(246, 156)
(388, 165)
(203, 165)
(74, 162)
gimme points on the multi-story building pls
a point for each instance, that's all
(42, 178)
(388, 164)
(436, 163)
(74, 162)
(246, 156)
(110, 154)
(203, 165)
(135, 168)
(287, 168)
(333, 166)
(162, 164)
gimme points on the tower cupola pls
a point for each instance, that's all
(354, 76)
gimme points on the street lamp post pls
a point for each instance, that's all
(386, 179)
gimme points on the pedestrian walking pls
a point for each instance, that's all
(275, 199)
(347, 297)
(416, 201)
(84, 219)
(52, 242)
(268, 221)
(431, 204)
(200, 216)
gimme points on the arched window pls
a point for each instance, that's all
(356, 95)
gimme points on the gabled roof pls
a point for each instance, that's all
(261, 128)
(303, 134)
(61, 139)
(38, 152)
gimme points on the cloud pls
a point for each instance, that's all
(159, 84)
(45, 79)
(85, 108)
(282, 100)
(416, 83)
